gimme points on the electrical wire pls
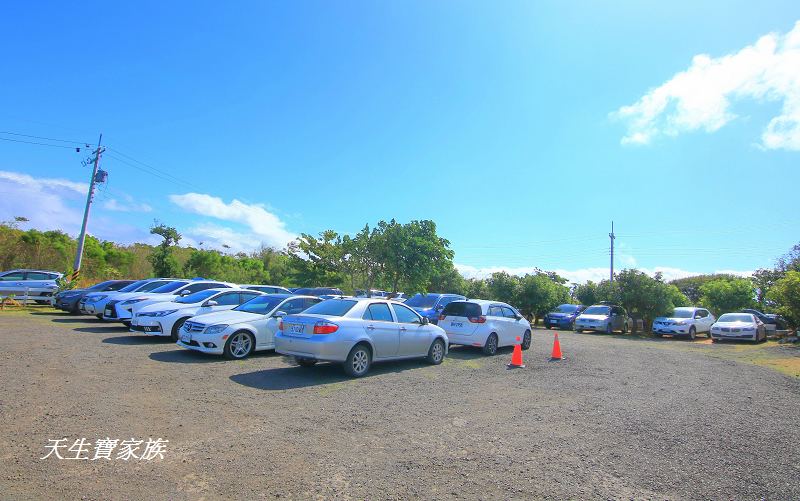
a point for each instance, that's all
(84, 143)
(34, 142)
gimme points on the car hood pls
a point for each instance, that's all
(226, 317)
(671, 319)
(166, 305)
(592, 317)
(122, 296)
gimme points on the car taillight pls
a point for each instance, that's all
(442, 316)
(280, 326)
(478, 320)
(325, 328)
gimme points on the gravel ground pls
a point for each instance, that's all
(620, 418)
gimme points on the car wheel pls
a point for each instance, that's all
(655, 334)
(239, 346)
(579, 331)
(490, 348)
(436, 352)
(526, 340)
(99, 317)
(609, 329)
(714, 340)
(42, 302)
(306, 362)
(176, 327)
(126, 323)
(624, 328)
(358, 361)
(692, 333)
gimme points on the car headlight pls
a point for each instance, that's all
(137, 300)
(216, 329)
(94, 299)
(162, 313)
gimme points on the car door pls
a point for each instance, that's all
(12, 283)
(268, 326)
(381, 328)
(37, 282)
(617, 318)
(499, 324)
(516, 326)
(414, 339)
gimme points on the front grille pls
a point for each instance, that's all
(726, 329)
(193, 327)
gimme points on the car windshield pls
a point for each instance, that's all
(422, 301)
(132, 287)
(169, 287)
(303, 292)
(153, 285)
(567, 308)
(735, 317)
(676, 313)
(260, 305)
(100, 286)
(597, 310)
(197, 297)
(332, 307)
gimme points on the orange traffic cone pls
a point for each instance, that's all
(516, 357)
(556, 350)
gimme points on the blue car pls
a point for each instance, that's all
(564, 316)
(431, 305)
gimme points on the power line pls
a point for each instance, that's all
(34, 142)
(84, 143)
(149, 169)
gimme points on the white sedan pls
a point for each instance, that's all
(237, 333)
(738, 326)
(485, 324)
(166, 318)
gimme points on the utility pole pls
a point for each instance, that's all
(612, 237)
(82, 238)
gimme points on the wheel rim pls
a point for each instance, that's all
(492, 344)
(692, 333)
(438, 351)
(526, 340)
(240, 345)
(360, 361)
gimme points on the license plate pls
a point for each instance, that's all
(186, 338)
(297, 328)
(456, 324)
(554, 322)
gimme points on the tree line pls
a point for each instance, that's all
(408, 257)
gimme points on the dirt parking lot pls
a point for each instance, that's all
(620, 418)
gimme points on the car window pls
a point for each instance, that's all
(332, 307)
(293, 306)
(405, 315)
(310, 302)
(378, 312)
(701, 313)
(247, 296)
(509, 313)
(227, 299)
(203, 286)
(17, 275)
(495, 311)
(37, 275)
(462, 309)
(118, 285)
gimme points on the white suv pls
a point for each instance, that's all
(688, 321)
(485, 324)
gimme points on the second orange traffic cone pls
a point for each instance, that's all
(516, 357)
(556, 350)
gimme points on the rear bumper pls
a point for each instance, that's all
(467, 339)
(318, 347)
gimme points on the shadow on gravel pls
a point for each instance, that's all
(51, 313)
(102, 330)
(287, 378)
(471, 353)
(73, 320)
(195, 357)
(136, 340)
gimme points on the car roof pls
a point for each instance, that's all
(480, 301)
(30, 269)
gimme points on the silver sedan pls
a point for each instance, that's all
(357, 332)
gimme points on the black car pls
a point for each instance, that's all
(70, 300)
(769, 318)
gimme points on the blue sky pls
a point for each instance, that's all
(521, 128)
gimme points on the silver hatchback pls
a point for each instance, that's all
(357, 332)
(39, 285)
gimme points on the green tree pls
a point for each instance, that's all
(163, 259)
(586, 294)
(538, 293)
(690, 286)
(503, 287)
(411, 253)
(763, 280)
(785, 295)
(727, 295)
(644, 296)
(317, 261)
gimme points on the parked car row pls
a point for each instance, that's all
(312, 325)
(682, 322)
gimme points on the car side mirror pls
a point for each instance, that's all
(518, 317)
(279, 314)
(212, 303)
(425, 321)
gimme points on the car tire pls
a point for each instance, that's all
(526, 340)
(358, 361)
(490, 347)
(99, 317)
(176, 327)
(436, 352)
(239, 346)
(126, 323)
(655, 334)
(579, 331)
(714, 340)
(624, 328)
(42, 302)
(609, 329)
(692, 333)
(305, 362)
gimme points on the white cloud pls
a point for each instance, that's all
(129, 205)
(700, 97)
(43, 183)
(44, 201)
(264, 226)
(583, 275)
